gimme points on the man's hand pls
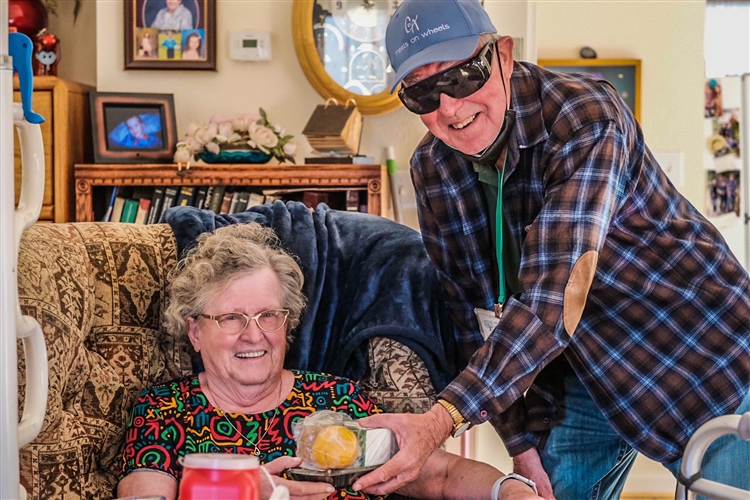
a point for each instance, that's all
(298, 490)
(417, 436)
(528, 464)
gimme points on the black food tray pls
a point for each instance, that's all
(339, 478)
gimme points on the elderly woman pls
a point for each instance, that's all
(238, 296)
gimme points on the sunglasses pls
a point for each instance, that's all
(458, 82)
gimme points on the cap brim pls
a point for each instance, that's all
(456, 49)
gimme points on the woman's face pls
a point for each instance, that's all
(252, 357)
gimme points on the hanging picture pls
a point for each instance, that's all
(133, 128)
(722, 156)
(170, 34)
(723, 193)
(623, 74)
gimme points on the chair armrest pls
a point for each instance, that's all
(396, 378)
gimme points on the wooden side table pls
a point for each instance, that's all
(67, 140)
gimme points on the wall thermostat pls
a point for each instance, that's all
(250, 46)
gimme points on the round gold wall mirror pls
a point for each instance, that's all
(340, 45)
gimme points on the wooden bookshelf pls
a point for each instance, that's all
(369, 177)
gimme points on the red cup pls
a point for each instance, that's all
(208, 476)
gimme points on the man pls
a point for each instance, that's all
(618, 319)
(174, 16)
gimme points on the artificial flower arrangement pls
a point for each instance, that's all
(235, 132)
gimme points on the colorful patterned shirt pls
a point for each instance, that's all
(619, 274)
(175, 419)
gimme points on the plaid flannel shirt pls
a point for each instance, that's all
(620, 274)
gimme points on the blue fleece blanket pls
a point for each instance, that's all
(365, 276)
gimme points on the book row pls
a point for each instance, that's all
(147, 205)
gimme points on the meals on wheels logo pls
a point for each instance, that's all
(411, 26)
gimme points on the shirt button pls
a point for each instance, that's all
(545, 420)
(483, 413)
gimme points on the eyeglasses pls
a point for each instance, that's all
(458, 82)
(269, 320)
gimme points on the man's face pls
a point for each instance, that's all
(472, 123)
(173, 4)
(135, 126)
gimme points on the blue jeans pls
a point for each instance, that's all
(585, 458)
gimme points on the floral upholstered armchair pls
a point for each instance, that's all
(98, 291)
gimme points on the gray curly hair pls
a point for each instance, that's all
(217, 260)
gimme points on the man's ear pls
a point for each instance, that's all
(505, 53)
(194, 334)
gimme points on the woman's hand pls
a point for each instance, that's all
(298, 490)
(528, 464)
(516, 490)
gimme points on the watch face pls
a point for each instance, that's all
(350, 40)
(461, 429)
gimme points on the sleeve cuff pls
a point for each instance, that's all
(462, 392)
(510, 426)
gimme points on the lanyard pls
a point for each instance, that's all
(499, 242)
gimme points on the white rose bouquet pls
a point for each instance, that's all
(239, 132)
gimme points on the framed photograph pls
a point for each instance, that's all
(133, 128)
(623, 74)
(170, 34)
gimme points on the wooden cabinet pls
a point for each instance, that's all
(312, 177)
(67, 140)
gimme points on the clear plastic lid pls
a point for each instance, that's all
(219, 461)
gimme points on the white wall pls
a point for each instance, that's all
(77, 41)
(279, 86)
(668, 38)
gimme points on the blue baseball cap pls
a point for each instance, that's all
(428, 31)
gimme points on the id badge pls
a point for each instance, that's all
(487, 321)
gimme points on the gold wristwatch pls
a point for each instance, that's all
(460, 424)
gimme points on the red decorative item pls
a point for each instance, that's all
(46, 53)
(27, 16)
(47, 40)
